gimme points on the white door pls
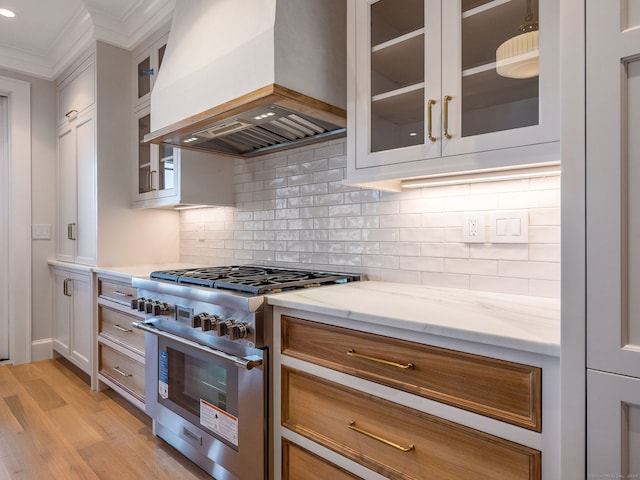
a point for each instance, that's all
(4, 229)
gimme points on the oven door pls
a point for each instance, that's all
(210, 405)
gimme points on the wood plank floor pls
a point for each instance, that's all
(52, 426)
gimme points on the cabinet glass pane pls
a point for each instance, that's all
(144, 155)
(397, 74)
(166, 176)
(144, 78)
(491, 102)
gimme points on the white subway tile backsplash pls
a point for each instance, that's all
(293, 208)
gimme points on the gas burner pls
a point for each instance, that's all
(253, 279)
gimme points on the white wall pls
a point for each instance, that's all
(43, 161)
(293, 209)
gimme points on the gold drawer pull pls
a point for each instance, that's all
(352, 426)
(122, 372)
(122, 294)
(121, 328)
(405, 366)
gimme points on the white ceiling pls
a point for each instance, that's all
(47, 35)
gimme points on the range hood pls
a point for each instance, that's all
(251, 77)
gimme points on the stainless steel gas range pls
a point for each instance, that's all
(207, 360)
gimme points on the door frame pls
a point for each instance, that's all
(18, 213)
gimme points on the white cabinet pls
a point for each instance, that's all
(76, 172)
(164, 176)
(613, 238)
(72, 316)
(425, 98)
(120, 346)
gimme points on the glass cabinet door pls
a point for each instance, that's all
(156, 165)
(397, 97)
(493, 75)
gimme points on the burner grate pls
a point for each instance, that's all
(251, 278)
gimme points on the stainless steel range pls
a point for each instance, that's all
(207, 360)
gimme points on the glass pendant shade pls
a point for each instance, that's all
(518, 57)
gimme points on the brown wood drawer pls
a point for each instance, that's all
(116, 291)
(507, 391)
(300, 464)
(324, 411)
(116, 326)
(123, 370)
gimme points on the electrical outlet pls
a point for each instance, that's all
(473, 228)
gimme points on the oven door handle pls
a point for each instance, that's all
(244, 362)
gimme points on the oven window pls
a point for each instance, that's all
(192, 379)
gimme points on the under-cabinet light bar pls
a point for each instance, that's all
(478, 177)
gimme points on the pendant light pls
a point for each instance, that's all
(518, 57)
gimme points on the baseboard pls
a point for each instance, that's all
(41, 350)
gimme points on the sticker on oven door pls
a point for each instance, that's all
(219, 422)
(163, 374)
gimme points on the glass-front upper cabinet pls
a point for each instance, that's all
(148, 64)
(451, 78)
(156, 175)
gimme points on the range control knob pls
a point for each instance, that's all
(238, 331)
(138, 304)
(197, 321)
(222, 327)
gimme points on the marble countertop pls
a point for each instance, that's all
(141, 270)
(513, 321)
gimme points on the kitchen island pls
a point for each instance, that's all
(478, 370)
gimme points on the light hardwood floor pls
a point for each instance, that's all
(52, 426)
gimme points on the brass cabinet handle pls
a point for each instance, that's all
(151, 187)
(352, 426)
(121, 294)
(119, 371)
(430, 105)
(405, 366)
(447, 99)
(121, 328)
(71, 114)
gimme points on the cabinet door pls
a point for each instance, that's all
(61, 313)
(398, 74)
(613, 431)
(147, 65)
(486, 110)
(157, 165)
(613, 187)
(66, 194)
(80, 351)
(87, 240)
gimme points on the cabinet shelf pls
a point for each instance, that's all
(398, 63)
(389, 22)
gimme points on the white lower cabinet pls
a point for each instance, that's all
(350, 401)
(72, 316)
(613, 417)
(120, 347)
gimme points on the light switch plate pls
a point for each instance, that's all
(41, 232)
(509, 226)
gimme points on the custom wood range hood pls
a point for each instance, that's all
(247, 78)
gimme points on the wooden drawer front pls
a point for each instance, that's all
(117, 292)
(124, 371)
(300, 464)
(437, 449)
(507, 391)
(116, 326)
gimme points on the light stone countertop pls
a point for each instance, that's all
(141, 270)
(520, 322)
